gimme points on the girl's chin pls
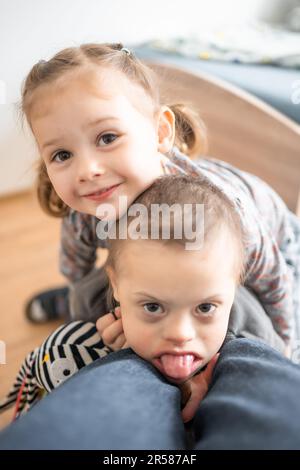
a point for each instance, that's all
(115, 213)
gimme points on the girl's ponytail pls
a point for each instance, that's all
(190, 131)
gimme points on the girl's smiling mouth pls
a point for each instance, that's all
(102, 193)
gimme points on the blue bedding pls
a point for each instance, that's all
(272, 84)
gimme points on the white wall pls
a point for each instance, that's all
(31, 30)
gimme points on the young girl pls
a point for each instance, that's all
(102, 133)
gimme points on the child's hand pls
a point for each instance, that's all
(194, 390)
(288, 351)
(111, 330)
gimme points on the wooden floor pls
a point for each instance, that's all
(29, 242)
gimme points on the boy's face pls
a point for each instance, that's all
(105, 140)
(175, 304)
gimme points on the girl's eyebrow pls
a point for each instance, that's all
(218, 297)
(51, 142)
(89, 124)
(103, 118)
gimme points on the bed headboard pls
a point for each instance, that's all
(242, 130)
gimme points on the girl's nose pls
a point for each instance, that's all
(89, 168)
(179, 329)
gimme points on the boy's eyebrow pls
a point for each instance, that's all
(146, 294)
(216, 297)
(89, 124)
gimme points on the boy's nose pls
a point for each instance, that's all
(179, 330)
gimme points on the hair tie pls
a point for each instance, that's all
(127, 51)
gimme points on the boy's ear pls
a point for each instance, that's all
(112, 278)
(166, 129)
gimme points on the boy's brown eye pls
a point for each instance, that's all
(152, 308)
(206, 308)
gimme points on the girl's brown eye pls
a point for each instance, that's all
(61, 157)
(108, 138)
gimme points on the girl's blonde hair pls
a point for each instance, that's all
(190, 136)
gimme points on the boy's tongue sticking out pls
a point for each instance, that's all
(178, 366)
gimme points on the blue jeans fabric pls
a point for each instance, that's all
(122, 402)
(118, 402)
(253, 401)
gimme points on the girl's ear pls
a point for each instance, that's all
(166, 129)
(112, 279)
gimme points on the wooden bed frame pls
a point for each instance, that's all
(242, 130)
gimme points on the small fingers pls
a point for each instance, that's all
(190, 409)
(119, 343)
(104, 321)
(112, 332)
(207, 374)
(117, 312)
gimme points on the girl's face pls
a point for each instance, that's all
(99, 139)
(175, 304)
